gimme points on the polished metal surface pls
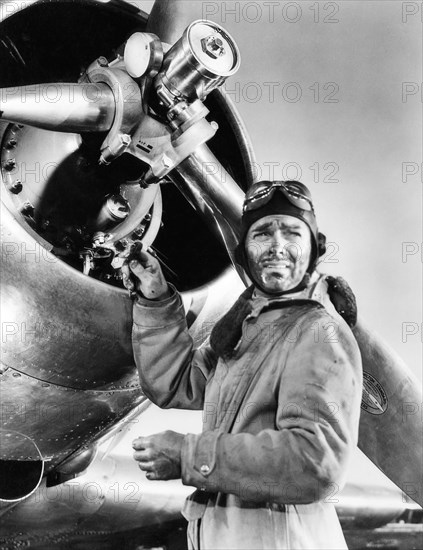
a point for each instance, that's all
(58, 419)
(128, 109)
(71, 107)
(213, 192)
(213, 185)
(169, 18)
(22, 474)
(70, 330)
(143, 54)
(187, 69)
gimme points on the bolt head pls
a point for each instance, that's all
(102, 61)
(138, 233)
(213, 46)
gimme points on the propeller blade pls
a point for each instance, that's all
(65, 107)
(169, 18)
(211, 190)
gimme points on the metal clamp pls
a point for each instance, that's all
(128, 110)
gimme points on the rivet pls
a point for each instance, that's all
(9, 165)
(11, 143)
(16, 187)
(27, 209)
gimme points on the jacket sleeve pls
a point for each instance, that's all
(172, 373)
(304, 458)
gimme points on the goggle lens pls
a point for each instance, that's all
(261, 193)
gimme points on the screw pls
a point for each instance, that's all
(213, 46)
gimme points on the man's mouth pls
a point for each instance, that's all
(277, 265)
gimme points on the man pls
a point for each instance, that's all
(280, 391)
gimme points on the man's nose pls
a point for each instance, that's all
(278, 244)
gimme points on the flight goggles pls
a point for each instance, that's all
(261, 193)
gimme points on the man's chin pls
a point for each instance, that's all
(275, 283)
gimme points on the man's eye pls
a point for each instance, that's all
(262, 234)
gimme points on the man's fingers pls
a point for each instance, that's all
(143, 456)
(145, 258)
(146, 465)
(140, 443)
(140, 255)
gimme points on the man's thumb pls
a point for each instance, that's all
(136, 268)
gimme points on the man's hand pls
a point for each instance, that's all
(142, 272)
(159, 455)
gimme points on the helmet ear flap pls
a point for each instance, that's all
(321, 244)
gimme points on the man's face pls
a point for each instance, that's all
(278, 251)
